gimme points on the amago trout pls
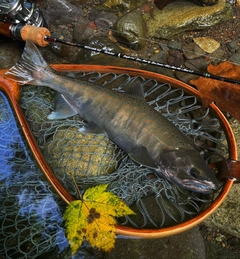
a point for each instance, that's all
(148, 137)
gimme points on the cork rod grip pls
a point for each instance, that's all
(35, 34)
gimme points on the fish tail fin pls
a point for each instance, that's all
(31, 68)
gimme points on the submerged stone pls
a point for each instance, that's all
(131, 30)
(226, 217)
(192, 51)
(61, 11)
(83, 155)
(105, 20)
(173, 21)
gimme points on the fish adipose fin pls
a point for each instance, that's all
(141, 156)
(136, 90)
(63, 109)
(91, 128)
(30, 68)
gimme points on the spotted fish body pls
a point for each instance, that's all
(148, 137)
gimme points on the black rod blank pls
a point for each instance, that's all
(145, 61)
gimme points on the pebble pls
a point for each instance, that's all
(83, 31)
(235, 58)
(232, 46)
(175, 58)
(218, 56)
(185, 77)
(175, 44)
(197, 64)
(9, 53)
(161, 57)
(164, 47)
(192, 51)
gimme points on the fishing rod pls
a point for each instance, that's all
(144, 61)
(41, 36)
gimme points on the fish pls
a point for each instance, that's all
(149, 138)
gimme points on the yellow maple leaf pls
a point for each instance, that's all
(93, 218)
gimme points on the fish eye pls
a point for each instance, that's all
(195, 173)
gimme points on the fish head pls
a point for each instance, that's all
(188, 169)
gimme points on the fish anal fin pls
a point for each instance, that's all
(63, 109)
(91, 128)
(142, 157)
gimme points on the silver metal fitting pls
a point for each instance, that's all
(21, 11)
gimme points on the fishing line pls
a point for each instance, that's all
(144, 61)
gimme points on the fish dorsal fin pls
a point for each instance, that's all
(142, 157)
(136, 90)
(63, 109)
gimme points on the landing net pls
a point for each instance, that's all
(31, 214)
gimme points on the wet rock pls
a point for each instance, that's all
(59, 11)
(171, 22)
(36, 103)
(192, 50)
(169, 214)
(232, 46)
(175, 58)
(218, 56)
(83, 30)
(164, 47)
(122, 5)
(185, 77)
(82, 154)
(199, 64)
(227, 217)
(235, 58)
(208, 44)
(188, 245)
(160, 57)
(174, 44)
(69, 54)
(105, 20)
(93, 57)
(66, 52)
(131, 31)
(10, 53)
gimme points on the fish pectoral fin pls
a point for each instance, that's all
(62, 109)
(142, 157)
(91, 128)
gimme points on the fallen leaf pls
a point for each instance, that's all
(93, 218)
(225, 95)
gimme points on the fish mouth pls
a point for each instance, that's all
(204, 186)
